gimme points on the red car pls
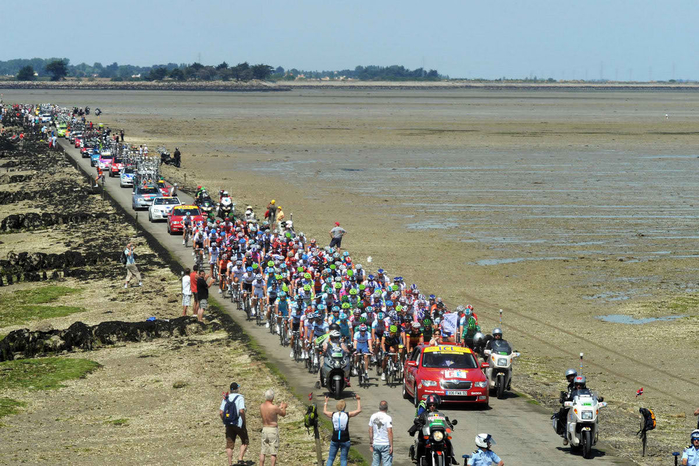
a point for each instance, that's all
(164, 188)
(177, 214)
(452, 372)
(116, 166)
(78, 142)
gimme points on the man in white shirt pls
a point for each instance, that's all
(381, 436)
(240, 428)
(186, 291)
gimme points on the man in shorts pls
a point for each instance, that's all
(203, 283)
(270, 428)
(239, 430)
(336, 235)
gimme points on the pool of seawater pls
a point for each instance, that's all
(624, 319)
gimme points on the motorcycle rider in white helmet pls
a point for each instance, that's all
(690, 455)
(484, 456)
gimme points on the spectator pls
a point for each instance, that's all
(381, 436)
(696, 413)
(121, 133)
(270, 428)
(193, 288)
(131, 269)
(239, 430)
(336, 235)
(341, 437)
(186, 291)
(203, 284)
(272, 212)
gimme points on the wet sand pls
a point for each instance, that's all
(557, 207)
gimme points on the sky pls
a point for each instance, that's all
(636, 40)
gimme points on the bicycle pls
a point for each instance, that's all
(187, 235)
(362, 374)
(282, 332)
(392, 377)
(246, 305)
(296, 335)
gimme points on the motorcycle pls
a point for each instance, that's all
(335, 371)
(436, 435)
(581, 428)
(225, 207)
(499, 373)
(206, 205)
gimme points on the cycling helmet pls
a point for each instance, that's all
(362, 320)
(416, 325)
(393, 329)
(468, 312)
(389, 303)
(580, 380)
(335, 334)
(369, 309)
(694, 435)
(347, 306)
(572, 372)
(238, 262)
(353, 292)
(350, 273)
(282, 295)
(255, 266)
(338, 285)
(343, 316)
(478, 339)
(258, 276)
(497, 331)
(399, 308)
(380, 315)
(306, 287)
(334, 327)
(316, 315)
(363, 328)
(427, 323)
(394, 287)
(484, 441)
(249, 269)
(307, 276)
(336, 308)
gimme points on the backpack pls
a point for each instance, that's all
(310, 419)
(648, 422)
(230, 412)
(122, 258)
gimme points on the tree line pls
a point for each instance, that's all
(57, 69)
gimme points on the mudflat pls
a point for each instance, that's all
(558, 207)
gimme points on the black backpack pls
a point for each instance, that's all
(122, 258)
(230, 412)
(648, 422)
(311, 417)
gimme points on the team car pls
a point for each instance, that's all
(164, 188)
(161, 207)
(61, 130)
(177, 214)
(143, 196)
(452, 372)
(126, 177)
(105, 160)
(116, 167)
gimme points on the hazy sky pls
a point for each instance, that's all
(615, 39)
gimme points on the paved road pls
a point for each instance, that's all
(523, 431)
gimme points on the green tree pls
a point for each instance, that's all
(261, 71)
(196, 66)
(26, 73)
(157, 74)
(57, 69)
(222, 66)
(177, 74)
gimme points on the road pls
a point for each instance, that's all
(523, 431)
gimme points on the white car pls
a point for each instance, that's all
(126, 177)
(161, 207)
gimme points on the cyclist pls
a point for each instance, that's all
(363, 345)
(295, 317)
(390, 344)
(413, 337)
(186, 227)
(247, 279)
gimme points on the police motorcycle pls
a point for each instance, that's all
(433, 443)
(205, 203)
(499, 374)
(582, 423)
(225, 206)
(335, 371)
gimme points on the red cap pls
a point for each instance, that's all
(337, 224)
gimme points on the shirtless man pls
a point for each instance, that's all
(270, 429)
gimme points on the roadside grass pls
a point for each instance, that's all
(25, 305)
(8, 406)
(117, 422)
(43, 373)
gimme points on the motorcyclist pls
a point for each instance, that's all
(497, 335)
(571, 374)
(332, 345)
(484, 456)
(690, 455)
(579, 388)
(432, 402)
